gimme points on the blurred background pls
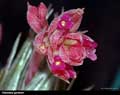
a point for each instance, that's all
(101, 18)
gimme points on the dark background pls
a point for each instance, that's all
(101, 18)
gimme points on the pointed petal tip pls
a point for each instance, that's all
(42, 5)
(80, 10)
(28, 4)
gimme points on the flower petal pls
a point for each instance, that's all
(63, 53)
(74, 36)
(64, 73)
(52, 26)
(42, 11)
(56, 38)
(76, 17)
(90, 46)
(32, 18)
(88, 42)
(91, 54)
(39, 43)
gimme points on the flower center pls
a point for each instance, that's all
(42, 47)
(63, 23)
(57, 62)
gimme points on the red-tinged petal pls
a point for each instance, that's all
(42, 11)
(58, 64)
(90, 46)
(58, 69)
(76, 52)
(71, 71)
(64, 75)
(52, 26)
(32, 18)
(91, 54)
(32, 9)
(63, 71)
(56, 38)
(88, 42)
(76, 18)
(65, 22)
(63, 53)
(75, 36)
(50, 55)
(39, 43)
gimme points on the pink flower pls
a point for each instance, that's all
(59, 68)
(36, 17)
(63, 46)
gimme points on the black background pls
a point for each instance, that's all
(101, 18)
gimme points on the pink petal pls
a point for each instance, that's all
(76, 36)
(68, 22)
(71, 71)
(63, 53)
(50, 55)
(56, 38)
(52, 26)
(77, 55)
(39, 43)
(65, 73)
(42, 11)
(32, 18)
(91, 54)
(88, 42)
(60, 66)
(76, 16)
(90, 46)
